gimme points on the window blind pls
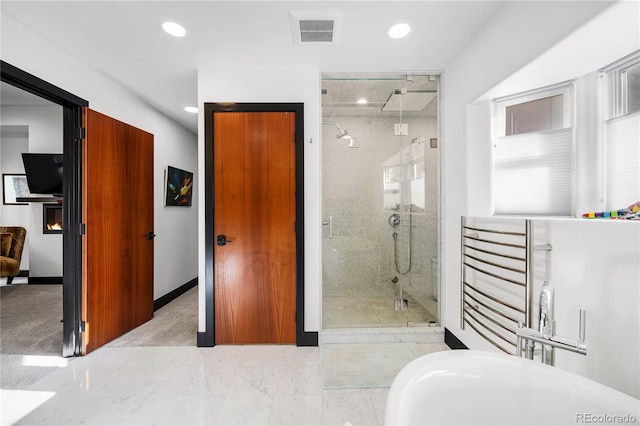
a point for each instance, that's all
(622, 161)
(533, 173)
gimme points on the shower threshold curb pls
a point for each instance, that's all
(382, 335)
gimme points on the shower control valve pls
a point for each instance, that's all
(401, 129)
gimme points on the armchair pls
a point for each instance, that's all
(11, 245)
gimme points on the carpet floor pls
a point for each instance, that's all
(31, 331)
(31, 319)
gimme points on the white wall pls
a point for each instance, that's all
(595, 265)
(175, 257)
(263, 83)
(44, 251)
(513, 55)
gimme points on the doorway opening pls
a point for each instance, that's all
(72, 206)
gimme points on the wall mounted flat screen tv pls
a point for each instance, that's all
(44, 173)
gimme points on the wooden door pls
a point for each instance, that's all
(117, 281)
(254, 209)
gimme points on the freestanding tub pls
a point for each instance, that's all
(483, 388)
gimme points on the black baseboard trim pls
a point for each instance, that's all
(307, 338)
(205, 340)
(174, 294)
(45, 280)
(452, 341)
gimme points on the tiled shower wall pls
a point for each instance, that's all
(358, 260)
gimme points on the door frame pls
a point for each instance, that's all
(72, 195)
(207, 337)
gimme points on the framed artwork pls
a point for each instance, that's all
(14, 186)
(179, 189)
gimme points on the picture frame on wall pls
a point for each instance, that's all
(14, 186)
(179, 187)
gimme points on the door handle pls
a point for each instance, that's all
(150, 235)
(330, 223)
(222, 240)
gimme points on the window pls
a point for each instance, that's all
(535, 116)
(623, 86)
(533, 152)
(622, 132)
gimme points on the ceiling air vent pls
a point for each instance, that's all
(315, 26)
(316, 31)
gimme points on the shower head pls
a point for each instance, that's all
(343, 134)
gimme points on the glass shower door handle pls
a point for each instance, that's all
(330, 224)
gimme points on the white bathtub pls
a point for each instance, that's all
(482, 388)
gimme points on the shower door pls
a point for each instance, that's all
(380, 201)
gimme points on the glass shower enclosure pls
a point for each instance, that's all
(380, 168)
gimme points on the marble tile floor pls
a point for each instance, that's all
(367, 365)
(350, 312)
(223, 385)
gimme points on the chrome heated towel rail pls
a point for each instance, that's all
(497, 279)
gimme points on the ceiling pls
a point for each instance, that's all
(124, 39)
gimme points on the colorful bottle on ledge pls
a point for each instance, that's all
(630, 213)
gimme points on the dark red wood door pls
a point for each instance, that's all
(117, 282)
(254, 208)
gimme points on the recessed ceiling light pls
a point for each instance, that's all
(191, 109)
(174, 29)
(362, 101)
(399, 30)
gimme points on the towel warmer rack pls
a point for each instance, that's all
(497, 280)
